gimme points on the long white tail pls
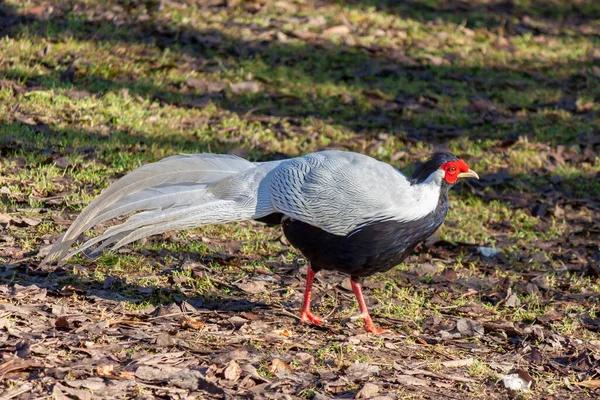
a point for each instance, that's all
(178, 192)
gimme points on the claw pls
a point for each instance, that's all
(307, 316)
(371, 328)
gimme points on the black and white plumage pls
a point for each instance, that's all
(344, 211)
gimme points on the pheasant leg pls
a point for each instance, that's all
(364, 312)
(305, 314)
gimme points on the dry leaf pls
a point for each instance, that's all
(60, 392)
(337, 30)
(61, 322)
(280, 367)
(15, 364)
(127, 374)
(358, 371)
(192, 323)
(304, 35)
(197, 102)
(5, 218)
(368, 391)
(512, 300)
(233, 371)
(480, 105)
(289, 7)
(283, 332)
(105, 370)
(245, 87)
(591, 384)
(252, 287)
(411, 380)
(205, 86)
(93, 383)
(458, 363)
(164, 339)
(469, 327)
(305, 358)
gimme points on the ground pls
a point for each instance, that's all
(509, 285)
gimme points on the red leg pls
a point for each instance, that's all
(364, 312)
(305, 313)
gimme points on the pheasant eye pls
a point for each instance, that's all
(452, 170)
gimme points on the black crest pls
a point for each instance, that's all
(430, 166)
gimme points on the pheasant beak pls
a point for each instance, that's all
(469, 174)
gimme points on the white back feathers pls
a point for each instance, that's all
(334, 190)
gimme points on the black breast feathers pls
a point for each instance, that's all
(372, 248)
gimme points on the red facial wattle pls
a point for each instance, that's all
(457, 169)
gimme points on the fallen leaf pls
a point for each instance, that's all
(18, 391)
(197, 102)
(205, 86)
(481, 106)
(507, 327)
(31, 221)
(105, 370)
(253, 372)
(245, 87)
(551, 316)
(233, 371)
(61, 162)
(411, 380)
(435, 60)
(13, 252)
(337, 30)
(15, 364)
(93, 383)
(512, 300)
(368, 391)
(252, 287)
(59, 310)
(280, 367)
(458, 363)
(358, 371)
(191, 323)
(304, 35)
(238, 354)
(305, 358)
(591, 384)
(164, 339)
(61, 322)
(5, 218)
(283, 332)
(127, 374)
(59, 391)
(77, 94)
(426, 268)
(469, 327)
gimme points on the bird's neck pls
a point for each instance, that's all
(417, 201)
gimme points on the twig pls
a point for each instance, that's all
(171, 315)
(286, 312)
(24, 388)
(168, 389)
(439, 375)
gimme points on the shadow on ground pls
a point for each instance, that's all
(379, 74)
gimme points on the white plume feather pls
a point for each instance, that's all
(175, 181)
